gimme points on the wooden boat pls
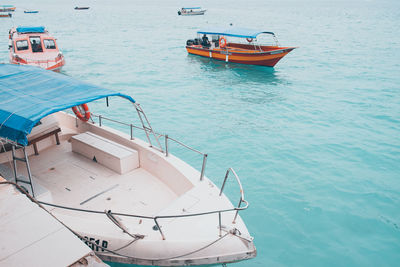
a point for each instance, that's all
(31, 11)
(34, 46)
(132, 201)
(81, 8)
(191, 11)
(7, 8)
(5, 15)
(245, 50)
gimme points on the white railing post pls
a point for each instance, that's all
(203, 167)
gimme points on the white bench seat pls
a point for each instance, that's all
(110, 154)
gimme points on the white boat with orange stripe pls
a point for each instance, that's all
(34, 46)
(246, 49)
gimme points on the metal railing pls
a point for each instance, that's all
(166, 140)
(156, 219)
(241, 200)
(166, 151)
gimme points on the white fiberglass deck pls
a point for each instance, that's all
(185, 221)
(75, 180)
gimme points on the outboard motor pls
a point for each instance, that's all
(179, 12)
(190, 42)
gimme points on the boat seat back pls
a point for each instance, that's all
(45, 126)
(110, 154)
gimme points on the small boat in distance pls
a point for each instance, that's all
(245, 49)
(31, 11)
(130, 199)
(81, 8)
(191, 11)
(6, 8)
(5, 15)
(34, 46)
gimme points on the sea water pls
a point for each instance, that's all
(315, 140)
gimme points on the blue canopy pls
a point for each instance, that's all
(197, 7)
(27, 29)
(29, 94)
(234, 32)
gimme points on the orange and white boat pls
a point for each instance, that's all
(7, 8)
(35, 46)
(243, 46)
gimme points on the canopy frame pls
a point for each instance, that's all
(234, 32)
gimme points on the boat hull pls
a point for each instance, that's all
(48, 65)
(269, 57)
(193, 13)
(7, 9)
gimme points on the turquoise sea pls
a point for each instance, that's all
(315, 140)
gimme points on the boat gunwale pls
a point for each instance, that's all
(224, 52)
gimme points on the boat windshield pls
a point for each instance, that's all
(49, 44)
(22, 45)
(36, 44)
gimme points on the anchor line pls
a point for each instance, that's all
(109, 250)
(124, 229)
(121, 226)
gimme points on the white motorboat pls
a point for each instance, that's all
(191, 11)
(130, 200)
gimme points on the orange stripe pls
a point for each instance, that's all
(247, 58)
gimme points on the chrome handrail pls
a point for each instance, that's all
(154, 218)
(241, 190)
(166, 136)
(157, 225)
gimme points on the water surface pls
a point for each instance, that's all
(315, 140)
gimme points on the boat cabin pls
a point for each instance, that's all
(34, 46)
(190, 11)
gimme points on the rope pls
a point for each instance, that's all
(108, 250)
(6, 119)
(121, 226)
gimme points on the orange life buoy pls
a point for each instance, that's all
(77, 111)
(249, 40)
(222, 41)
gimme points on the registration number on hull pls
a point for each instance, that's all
(95, 244)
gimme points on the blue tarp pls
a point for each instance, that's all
(28, 94)
(197, 7)
(234, 32)
(27, 29)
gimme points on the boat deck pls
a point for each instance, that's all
(77, 181)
